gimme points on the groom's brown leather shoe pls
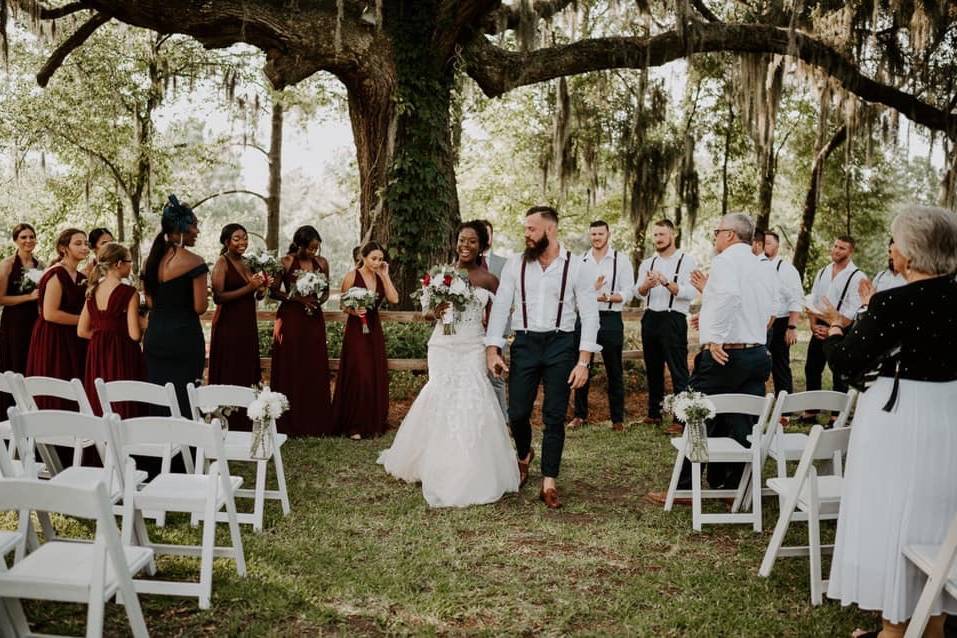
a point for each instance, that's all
(550, 498)
(523, 468)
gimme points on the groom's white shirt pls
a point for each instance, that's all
(542, 289)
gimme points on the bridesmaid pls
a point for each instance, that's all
(234, 342)
(56, 350)
(361, 404)
(300, 360)
(175, 280)
(19, 308)
(99, 237)
(111, 321)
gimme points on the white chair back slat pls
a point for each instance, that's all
(110, 392)
(153, 430)
(815, 400)
(216, 396)
(29, 427)
(940, 575)
(740, 404)
(71, 390)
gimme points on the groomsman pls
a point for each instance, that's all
(890, 278)
(494, 264)
(613, 288)
(543, 288)
(838, 284)
(664, 281)
(736, 308)
(787, 310)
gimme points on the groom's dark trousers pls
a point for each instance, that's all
(545, 358)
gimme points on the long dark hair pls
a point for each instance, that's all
(227, 233)
(480, 228)
(176, 218)
(96, 234)
(63, 243)
(303, 236)
(368, 247)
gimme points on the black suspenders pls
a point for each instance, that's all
(847, 285)
(614, 274)
(778, 269)
(651, 266)
(561, 295)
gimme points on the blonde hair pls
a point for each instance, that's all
(110, 255)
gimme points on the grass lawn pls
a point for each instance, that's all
(362, 554)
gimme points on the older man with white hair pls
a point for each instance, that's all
(737, 305)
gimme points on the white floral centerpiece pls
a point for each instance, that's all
(29, 280)
(693, 409)
(309, 283)
(263, 412)
(357, 298)
(445, 284)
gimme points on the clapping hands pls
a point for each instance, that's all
(699, 280)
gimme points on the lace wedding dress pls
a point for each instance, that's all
(454, 438)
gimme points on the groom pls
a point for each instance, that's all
(543, 289)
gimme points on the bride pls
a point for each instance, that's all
(454, 438)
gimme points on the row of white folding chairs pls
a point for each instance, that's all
(772, 442)
(208, 492)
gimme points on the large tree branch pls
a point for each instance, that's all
(455, 16)
(703, 9)
(55, 13)
(498, 71)
(68, 46)
(117, 174)
(229, 192)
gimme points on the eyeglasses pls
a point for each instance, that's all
(721, 230)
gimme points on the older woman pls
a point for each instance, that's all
(901, 480)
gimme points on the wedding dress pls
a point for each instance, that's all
(454, 438)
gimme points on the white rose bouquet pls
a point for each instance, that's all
(357, 298)
(29, 280)
(309, 283)
(263, 412)
(693, 409)
(264, 262)
(445, 284)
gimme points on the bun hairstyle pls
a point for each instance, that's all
(177, 218)
(301, 239)
(227, 233)
(63, 242)
(110, 255)
(369, 246)
(19, 228)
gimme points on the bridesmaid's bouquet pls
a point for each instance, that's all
(693, 409)
(445, 284)
(264, 262)
(263, 412)
(357, 298)
(309, 283)
(29, 280)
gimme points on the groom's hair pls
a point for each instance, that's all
(547, 212)
(599, 223)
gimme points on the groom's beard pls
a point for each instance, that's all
(536, 250)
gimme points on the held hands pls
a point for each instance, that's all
(495, 363)
(578, 377)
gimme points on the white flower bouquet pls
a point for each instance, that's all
(445, 284)
(263, 412)
(29, 280)
(265, 262)
(357, 298)
(693, 409)
(309, 283)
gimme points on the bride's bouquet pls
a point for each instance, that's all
(357, 298)
(693, 409)
(29, 280)
(309, 283)
(264, 262)
(263, 412)
(445, 284)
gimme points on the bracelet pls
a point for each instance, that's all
(837, 325)
(581, 365)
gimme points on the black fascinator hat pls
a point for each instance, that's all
(177, 217)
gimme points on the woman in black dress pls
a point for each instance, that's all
(18, 296)
(175, 280)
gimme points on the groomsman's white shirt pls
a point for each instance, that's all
(831, 288)
(624, 279)
(659, 297)
(885, 280)
(542, 289)
(790, 297)
(738, 300)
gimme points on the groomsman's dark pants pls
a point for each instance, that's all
(745, 372)
(611, 338)
(541, 358)
(780, 356)
(664, 340)
(814, 367)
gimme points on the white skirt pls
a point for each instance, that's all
(900, 489)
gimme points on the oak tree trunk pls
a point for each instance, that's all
(274, 194)
(803, 247)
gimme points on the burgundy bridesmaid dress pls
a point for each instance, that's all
(111, 355)
(361, 404)
(234, 342)
(55, 348)
(16, 328)
(300, 365)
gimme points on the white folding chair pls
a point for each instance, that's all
(818, 496)
(72, 390)
(8, 381)
(173, 492)
(788, 446)
(938, 562)
(726, 450)
(238, 444)
(90, 573)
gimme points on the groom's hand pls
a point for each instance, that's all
(579, 376)
(495, 362)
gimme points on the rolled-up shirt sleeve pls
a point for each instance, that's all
(625, 286)
(793, 290)
(587, 306)
(687, 292)
(498, 317)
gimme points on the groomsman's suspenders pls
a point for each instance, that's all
(614, 274)
(651, 266)
(778, 269)
(561, 295)
(847, 285)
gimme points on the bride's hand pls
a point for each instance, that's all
(440, 309)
